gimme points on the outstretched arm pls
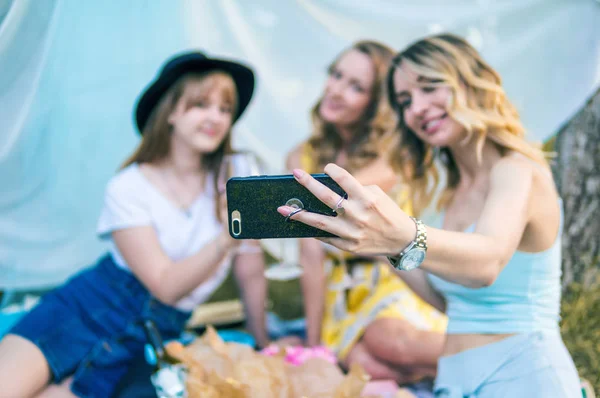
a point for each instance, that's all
(374, 225)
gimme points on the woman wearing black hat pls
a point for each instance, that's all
(168, 250)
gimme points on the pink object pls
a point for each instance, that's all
(297, 355)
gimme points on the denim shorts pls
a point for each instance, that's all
(91, 327)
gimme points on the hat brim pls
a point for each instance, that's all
(242, 76)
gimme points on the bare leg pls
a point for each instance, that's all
(24, 370)
(400, 344)
(58, 391)
(377, 369)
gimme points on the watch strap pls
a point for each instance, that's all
(419, 241)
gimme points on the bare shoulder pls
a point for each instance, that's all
(518, 171)
(514, 163)
(513, 173)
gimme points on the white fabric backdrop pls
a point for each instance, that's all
(70, 71)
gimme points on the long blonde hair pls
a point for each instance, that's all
(478, 102)
(375, 131)
(156, 136)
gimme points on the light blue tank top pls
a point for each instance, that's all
(524, 298)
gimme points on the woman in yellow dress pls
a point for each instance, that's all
(355, 305)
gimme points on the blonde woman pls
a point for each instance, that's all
(360, 309)
(496, 259)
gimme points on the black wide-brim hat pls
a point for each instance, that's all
(193, 62)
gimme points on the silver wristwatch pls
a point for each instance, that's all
(414, 254)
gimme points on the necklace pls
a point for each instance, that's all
(186, 209)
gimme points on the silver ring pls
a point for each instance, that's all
(287, 219)
(339, 209)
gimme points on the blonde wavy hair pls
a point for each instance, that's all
(375, 133)
(478, 102)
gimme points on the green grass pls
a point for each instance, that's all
(580, 328)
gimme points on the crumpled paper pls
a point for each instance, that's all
(230, 370)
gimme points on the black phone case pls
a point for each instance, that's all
(257, 198)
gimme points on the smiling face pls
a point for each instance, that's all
(203, 115)
(348, 90)
(424, 105)
(447, 95)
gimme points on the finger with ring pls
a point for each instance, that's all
(287, 218)
(339, 209)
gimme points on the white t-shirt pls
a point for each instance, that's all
(132, 201)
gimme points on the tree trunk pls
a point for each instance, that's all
(577, 174)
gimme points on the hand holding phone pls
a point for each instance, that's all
(252, 204)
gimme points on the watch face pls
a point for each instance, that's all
(412, 259)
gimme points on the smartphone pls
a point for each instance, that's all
(252, 204)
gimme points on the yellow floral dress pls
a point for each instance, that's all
(361, 290)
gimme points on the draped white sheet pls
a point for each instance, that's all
(70, 71)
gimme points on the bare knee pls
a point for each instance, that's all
(24, 370)
(374, 368)
(395, 343)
